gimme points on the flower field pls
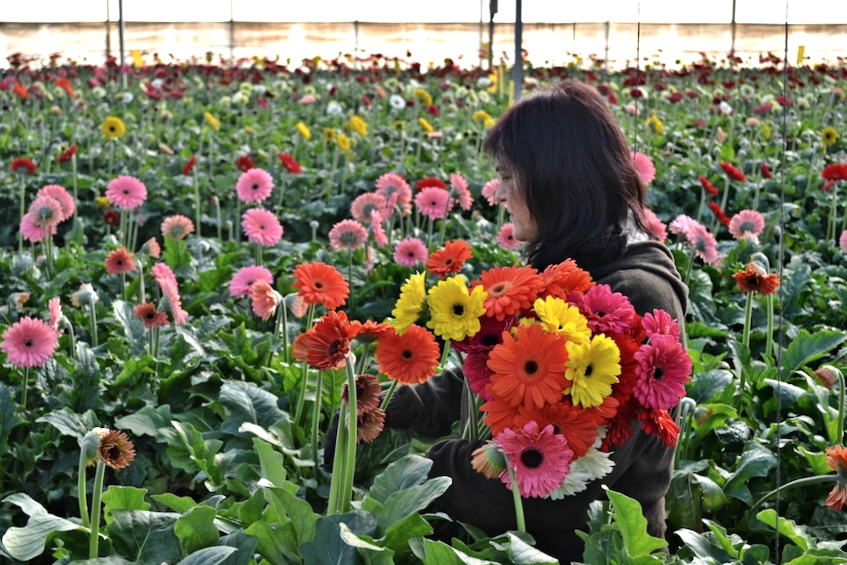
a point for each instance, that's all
(202, 269)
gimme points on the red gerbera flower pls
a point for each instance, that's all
(708, 186)
(660, 424)
(290, 164)
(755, 279)
(499, 414)
(409, 358)
(732, 172)
(369, 331)
(578, 425)
(716, 210)
(67, 154)
(318, 282)
(150, 316)
(430, 181)
(834, 171)
(245, 163)
(189, 165)
(23, 165)
(367, 393)
(21, 91)
(511, 290)
(329, 343)
(449, 259)
(766, 172)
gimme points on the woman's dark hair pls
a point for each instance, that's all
(572, 164)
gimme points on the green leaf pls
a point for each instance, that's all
(328, 548)
(298, 511)
(705, 386)
(208, 556)
(179, 504)
(633, 525)
(788, 393)
(70, 423)
(409, 471)
(133, 327)
(23, 501)
(147, 421)
(9, 419)
(277, 545)
(370, 552)
(271, 462)
(521, 553)
(808, 347)
(397, 535)
(411, 500)
(756, 461)
(703, 547)
(246, 546)
(123, 498)
(787, 528)
(248, 403)
(145, 537)
(28, 542)
(439, 553)
(196, 529)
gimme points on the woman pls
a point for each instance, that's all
(568, 181)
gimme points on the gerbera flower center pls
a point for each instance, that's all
(490, 340)
(114, 453)
(27, 343)
(112, 128)
(588, 370)
(747, 226)
(150, 316)
(406, 354)
(458, 310)
(448, 262)
(498, 289)
(318, 285)
(658, 373)
(530, 367)
(256, 187)
(334, 347)
(532, 458)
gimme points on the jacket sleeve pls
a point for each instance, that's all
(430, 408)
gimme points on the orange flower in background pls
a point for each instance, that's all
(408, 358)
(330, 341)
(21, 91)
(119, 261)
(116, 449)
(449, 259)
(318, 282)
(65, 85)
(755, 279)
(369, 330)
(511, 290)
(562, 279)
(578, 425)
(836, 458)
(301, 345)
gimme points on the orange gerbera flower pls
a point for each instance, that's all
(511, 290)
(329, 343)
(119, 261)
(529, 369)
(369, 331)
(369, 425)
(318, 282)
(562, 279)
(449, 259)
(836, 458)
(578, 425)
(301, 345)
(367, 393)
(408, 358)
(499, 415)
(755, 279)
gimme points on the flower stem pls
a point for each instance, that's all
(384, 404)
(338, 463)
(316, 417)
(23, 212)
(346, 493)
(516, 496)
(25, 388)
(82, 494)
(840, 430)
(796, 483)
(831, 224)
(689, 266)
(472, 415)
(94, 540)
(196, 203)
(301, 399)
(94, 340)
(748, 315)
(282, 324)
(769, 342)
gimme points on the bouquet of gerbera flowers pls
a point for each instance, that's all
(565, 366)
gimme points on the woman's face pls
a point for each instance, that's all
(509, 193)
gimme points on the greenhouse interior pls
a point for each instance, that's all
(472, 283)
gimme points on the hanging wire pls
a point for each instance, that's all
(637, 74)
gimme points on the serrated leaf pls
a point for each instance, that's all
(179, 504)
(521, 553)
(196, 529)
(371, 553)
(70, 423)
(248, 403)
(299, 511)
(25, 502)
(705, 386)
(123, 498)
(702, 547)
(277, 545)
(147, 421)
(397, 535)
(756, 461)
(208, 556)
(439, 553)
(244, 544)
(271, 462)
(328, 548)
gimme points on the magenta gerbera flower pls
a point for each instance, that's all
(746, 224)
(126, 192)
(684, 225)
(478, 374)
(242, 283)
(663, 369)
(460, 187)
(606, 311)
(29, 343)
(659, 322)
(396, 192)
(506, 237)
(432, 202)
(541, 459)
(490, 334)
(347, 235)
(489, 189)
(366, 203)
(410, 251)
(254, 185)
(62, 196)
(261, 226)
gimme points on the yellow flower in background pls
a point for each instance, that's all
(654, 124)
(488, 124)
(410, 304)
(423, 96)
(213, 122)
(137, 59)
(480, 116)
(766, 131)
(343, 142)
(330, 134)
(358, 125)
(113, 127)
(101, 202)
(426, 125)
(829, 136)
(303, 130)
(399, 126)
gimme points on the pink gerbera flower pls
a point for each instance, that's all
(704, 245)
(126, 192)
(119, 261)
(659, 322)
(347, 234)
(432, 202)
(644, 167)
(47, 210)
(489, 189)
(460, 187)
(29, 343)
(506, 237)
(654, 226)
(32, 228)
(380, 237)
(254, 185)
(163, 274)
(265, 299)
(243, 281)
(396, 192)
(541, 459)
(747, 224)
(410, 251)
(663, 369)
(366, 203)
(606, 311)
(842, 241)
(170, 291)
(478, 374)
(261, 227)
(177, 227)
(54, 306)
(684, 225)
(62, 196)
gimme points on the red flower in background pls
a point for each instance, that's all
(21, 91)
(835, 171)
(708, 186)
(245, 163)
(23, 165)
(732, 172)
(290, 164)
(430, 181)
(754, 279)
(67, 154)
(766, 172)
(189, 166)
(716, 210)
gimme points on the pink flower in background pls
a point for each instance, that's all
(396, 192)
(261, 226)
(410, 251)
(254, 185)
(126, 192)
(163, 274)
(644, 167)
(347, 235)
(170, 291)
(653, 225)
(47, 210)
(541, 459)
(842, 241)
(663, 369)
(488, 191)
(29, 343)
(704, 245)
(365, 203)
(380, 236)
(54, 306)
(243, 281)
(432, 202)
(506, 237)
(747, 224)
(308, 99)
(32, 228)
(460, 187)
(685, 225)
(177, 227)
(62, 196)
(265, 299)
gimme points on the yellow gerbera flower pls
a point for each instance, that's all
(592, 367)
(426, 125)
(399, 126)
(330, 134)
(358, 125)
(343, 142)
(488, 124)
(829, 136)
(411, 302)
(654, 124)
(455, 312)
(213, 122)
(303, 130)
(766, 131)
(423, 96)
(480, 116)
(113, 127)
(101, 202)
(557, 316)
